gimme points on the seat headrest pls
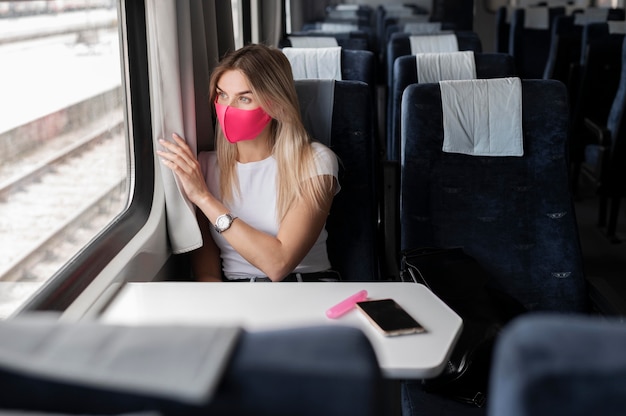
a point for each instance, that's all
(417, 28)
(591, 15)
(312, 41)
(617, 27)
(537, 18)
(482, 117)
(312, 63)
(172, 364)
(433, 43)
(435, 67)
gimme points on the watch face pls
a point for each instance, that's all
(223, 221)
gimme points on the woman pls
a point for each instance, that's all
(263, 196)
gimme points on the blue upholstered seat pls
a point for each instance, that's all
(604, 160)
(360, 65)
(503, 28)
(386, 16)
(400, 45)
(353, 220)
(459, 13)
(565, 46)
(307, 371)
(405, 74)
(530, 46)
(594, 89)
(342, 30)
(513, 214)
(546, 365)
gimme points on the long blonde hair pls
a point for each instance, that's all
(268, 72)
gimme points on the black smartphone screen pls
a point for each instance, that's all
(389, 317)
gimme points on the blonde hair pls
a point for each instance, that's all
(268, 72)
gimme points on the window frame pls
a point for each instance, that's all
(70, 281)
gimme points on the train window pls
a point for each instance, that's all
(64, 150)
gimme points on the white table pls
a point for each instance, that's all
(267, 306)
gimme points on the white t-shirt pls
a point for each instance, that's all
(256, 206)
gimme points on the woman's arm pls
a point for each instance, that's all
(298, 231)
(275, 256)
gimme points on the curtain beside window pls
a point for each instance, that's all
(179, 71)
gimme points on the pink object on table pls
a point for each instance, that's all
(346, 305)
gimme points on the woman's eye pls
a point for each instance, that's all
(221, 95)
(245, 100)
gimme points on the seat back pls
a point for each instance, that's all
(352, 222)
(361, 65)
(616, 124)
(594, 89)
(513, 214)
(503, 28)
(94, 368)
(358, 65)
(565, 43)
(604, 160)
(488, 65)
(559, 365)
(400, 45)
(343, 30)
(460, 13)
(530, 43)
(392, 14)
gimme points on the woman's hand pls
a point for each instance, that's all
(181, 160)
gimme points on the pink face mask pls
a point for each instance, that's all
(238, 124)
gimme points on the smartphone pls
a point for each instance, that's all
(389, 317)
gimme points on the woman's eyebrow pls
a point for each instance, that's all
(239, 93)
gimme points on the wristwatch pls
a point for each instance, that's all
(223, 222)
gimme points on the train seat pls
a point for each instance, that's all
(565, 45)
(458, 13)
(326, 370)
(400, 45)
(353, 65)
(488, 65)
(395, 14)
(503, 28)
(529, 38)
(548, 365)
(344, 29)
(564, 55)
(329, 113)
(355, 13)
(604, 162)
(418, 27)
(314, 63)
(405, 73)
(514, 214)
(593, 89)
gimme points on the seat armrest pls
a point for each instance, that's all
(601, 134)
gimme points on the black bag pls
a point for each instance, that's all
(463, 284)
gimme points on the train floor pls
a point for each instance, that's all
(604, 261)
